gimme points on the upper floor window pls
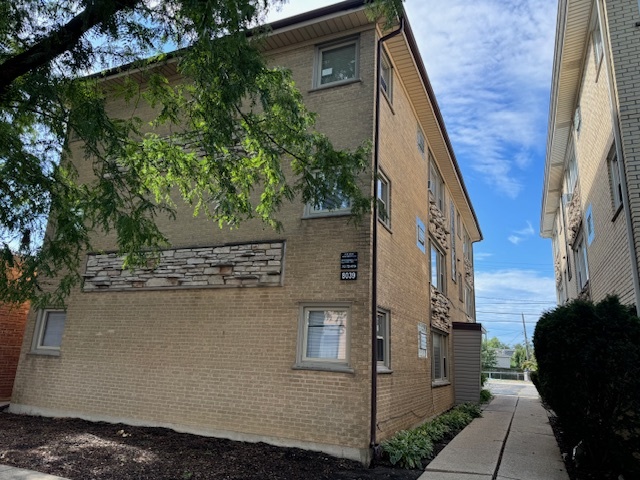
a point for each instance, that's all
(47, 338)
(422, 146)
(337, 62)
(466, 246)
(571, 174)
(437, 268)
(468, 301)
(386, 77)
(452, 215)
(436, 184)
(336, 203)
(596, 40)
(383, 195)
(582, 267)
(614, 177)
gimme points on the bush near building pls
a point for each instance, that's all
(589, 374)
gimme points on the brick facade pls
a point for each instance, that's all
(226, 361)
(12, 324)
(595, 105)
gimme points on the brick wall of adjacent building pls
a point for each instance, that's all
(608, 254)
(12, 323)
(622, 16)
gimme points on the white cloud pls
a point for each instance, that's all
(490, 65)
(514, 239)
(503, 297)
(479, 256)
(519, 235)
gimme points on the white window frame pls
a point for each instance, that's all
(597, 41)
(581, 261)
(310, 210)
(469, 307)
(303, 361)
(452, 214)
(421, 236)
(439, 274)
(421, 141)
(423, 340)
(383, 197)
(383, 335)
(386, 77)
(439, 357)
(40, 330)
(614, 177)
(321, 49)
(571, 172)
(436, 183)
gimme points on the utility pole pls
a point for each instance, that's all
(526, 342)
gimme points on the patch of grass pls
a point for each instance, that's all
(409, 448)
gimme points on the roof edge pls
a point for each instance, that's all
(413, 45)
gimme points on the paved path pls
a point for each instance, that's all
(512, 387)
(12, 473)
(512, 441)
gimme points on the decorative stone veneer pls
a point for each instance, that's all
(437, 223)
(574, 215)
(557, 269)
(468, 271)
(440, 307)
(244, 265)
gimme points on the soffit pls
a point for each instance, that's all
(572, 38)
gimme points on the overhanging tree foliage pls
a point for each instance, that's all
(235, 122)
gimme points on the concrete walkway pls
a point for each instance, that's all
(512, 441)
(12, 473)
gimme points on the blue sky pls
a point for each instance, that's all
(489, 62)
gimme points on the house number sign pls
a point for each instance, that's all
(349, 266)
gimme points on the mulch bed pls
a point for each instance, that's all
(578, 471)
(77, 449)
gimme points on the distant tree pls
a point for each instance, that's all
(519, 356)
(238, 125)
(496, 343)
(488, 355)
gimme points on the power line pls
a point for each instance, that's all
(508, 313)
(508, 300)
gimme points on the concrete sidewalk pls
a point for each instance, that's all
(512, 441)
(13, 473)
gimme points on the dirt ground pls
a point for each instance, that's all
(81, 450)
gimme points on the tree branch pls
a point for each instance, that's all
(59, 41)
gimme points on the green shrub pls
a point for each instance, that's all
(589, 374)
(485, 396)
(472, 409)
(408, 448)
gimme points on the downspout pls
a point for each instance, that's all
(374, 243)
(615, 120)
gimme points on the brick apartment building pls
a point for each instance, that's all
(263, 336)
(591, 198)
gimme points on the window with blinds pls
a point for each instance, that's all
(324, 336)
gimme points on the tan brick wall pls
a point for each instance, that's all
(622, 16)
(608, 254)
(406, 396)
(13, 319)
(222, 359)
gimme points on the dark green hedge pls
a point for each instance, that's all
(589, 374)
